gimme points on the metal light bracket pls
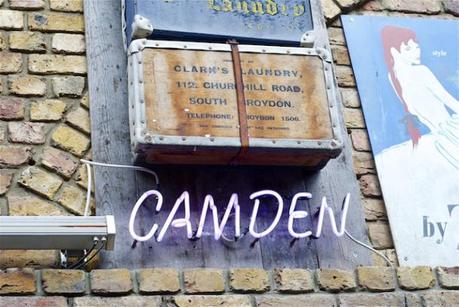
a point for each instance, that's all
(56, 232)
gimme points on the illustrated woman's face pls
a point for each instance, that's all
(410, 52)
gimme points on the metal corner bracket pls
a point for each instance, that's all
(308, 39)
(141, 27)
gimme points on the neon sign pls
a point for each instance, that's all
(233, 205)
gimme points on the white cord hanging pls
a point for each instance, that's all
(88, 190)
(370, 248)
(88, 169)
(137, 168)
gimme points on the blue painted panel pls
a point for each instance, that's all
(276, 22)
(407, 73)
(384, 112)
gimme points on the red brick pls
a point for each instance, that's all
(60, 161)
(12, 156)
(26, 132)
(11, 108)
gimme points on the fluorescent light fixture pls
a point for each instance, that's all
(56, 232)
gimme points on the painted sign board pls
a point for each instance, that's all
(277, 22)
(187, 97)
(285, 95)
(407, 72)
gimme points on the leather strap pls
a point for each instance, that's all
(241, 108)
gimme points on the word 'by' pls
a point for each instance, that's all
(233, 205)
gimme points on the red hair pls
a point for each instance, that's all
(393, 37)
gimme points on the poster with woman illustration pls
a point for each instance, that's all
(407, 73)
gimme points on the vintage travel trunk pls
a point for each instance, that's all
(185, 109)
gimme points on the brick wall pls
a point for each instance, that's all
(367, 286)
(44, 118)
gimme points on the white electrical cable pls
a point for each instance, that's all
(137, 168)
(370, 248)
(88, 191)
(88, 168)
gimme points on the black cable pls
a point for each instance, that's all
(96, 242)
(94, 255)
